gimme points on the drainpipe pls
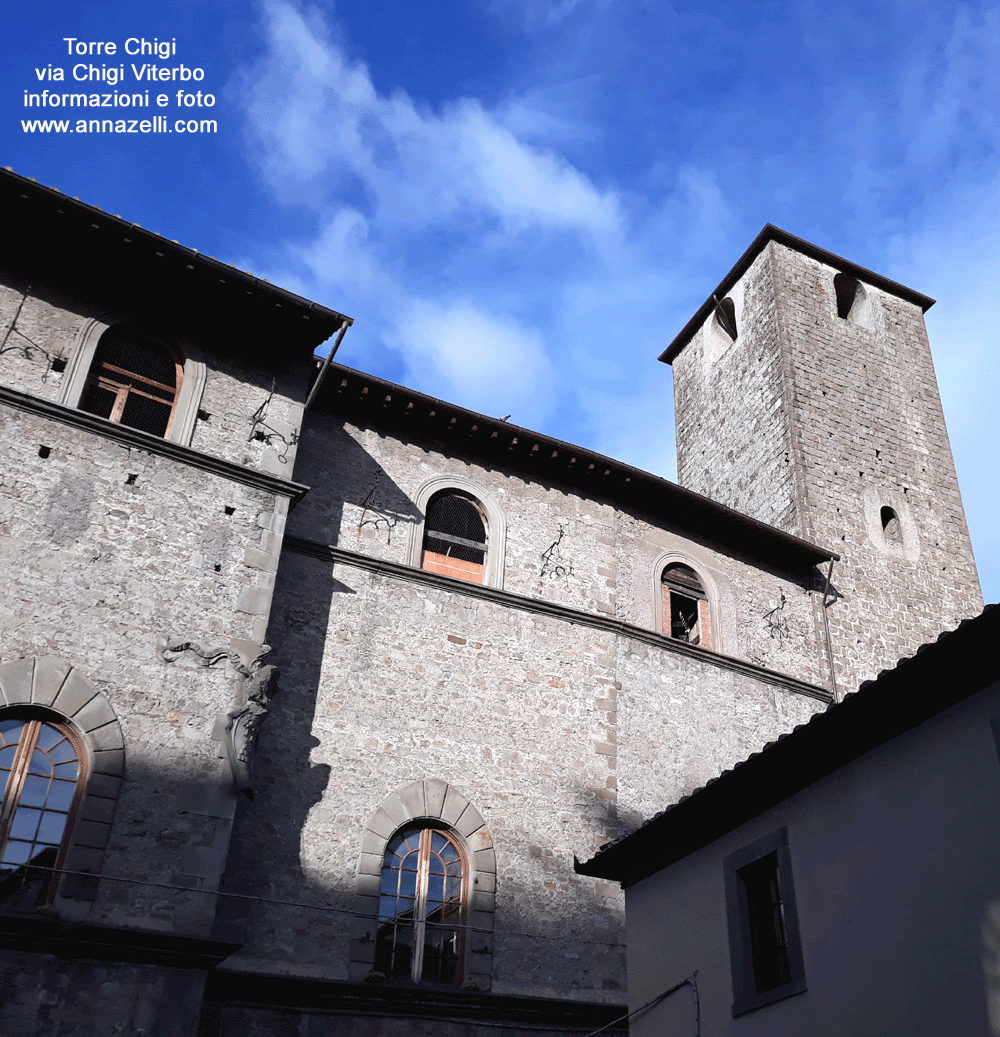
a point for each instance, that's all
(826, 630)
(313, 392)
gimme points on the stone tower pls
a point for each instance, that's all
(806, 397)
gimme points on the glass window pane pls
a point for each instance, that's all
(25, 823)
(438, 842)
(435, 887)
(48, 736)
(61, 795)
(7, 756)
(40, 763)
(52, 827)
(67, 770)
(15, 852)
(34, 791)
(61, 752)
(10, 730)
(408, 883)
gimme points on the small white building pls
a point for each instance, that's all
(845, 880)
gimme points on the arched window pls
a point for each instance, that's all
(422, 906)
(852, 300)
(725, 317)
(134, 380)
(455, 537)
(890, 526)
(685, 606)
(42, 766)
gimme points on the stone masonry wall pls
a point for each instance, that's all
(247, 414)
(560, 546)
(837, 418)
(870, 432)
(732, 445)
(107, 551)
(552, 729)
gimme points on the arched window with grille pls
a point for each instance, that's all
(686, 613)
(133, 380)
(42, 769)
(455, 537)
(422, 906)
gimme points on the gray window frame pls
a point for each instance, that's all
(745, 996)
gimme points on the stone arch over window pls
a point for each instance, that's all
(135, 379)
(853, 304)
(55, 698)
(890, 523)
(429, 552)
(685, 602)
(411, 825)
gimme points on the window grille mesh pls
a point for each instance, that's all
(133, 381)
(455, 528)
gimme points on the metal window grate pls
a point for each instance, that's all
(455, 527)
(133, 381)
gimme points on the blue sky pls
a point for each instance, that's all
(522, 202)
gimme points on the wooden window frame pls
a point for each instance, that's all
(98, 378)
(419, 923)
(11, 794)
(669, 588)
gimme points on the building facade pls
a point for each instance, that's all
(841, 881)
(350, 675)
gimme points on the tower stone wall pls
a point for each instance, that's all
(831, 428)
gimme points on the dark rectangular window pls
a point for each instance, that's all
(764, 947)
(766, 919)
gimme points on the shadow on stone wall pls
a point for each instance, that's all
(266, 841)
(340, 472)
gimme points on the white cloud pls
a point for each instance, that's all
(315, 115)
(484, 360)
(497, 272)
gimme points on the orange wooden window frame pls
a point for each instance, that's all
(33, 725)
(110, 378)
(418, 918)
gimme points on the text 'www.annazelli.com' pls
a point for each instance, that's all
(157, 124)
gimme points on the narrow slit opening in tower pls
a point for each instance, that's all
(725, 316)
(846, 288)
(890, 526)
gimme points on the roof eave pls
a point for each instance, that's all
(771, 233)
(914, 691)
(324, 321)
(532, 451)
